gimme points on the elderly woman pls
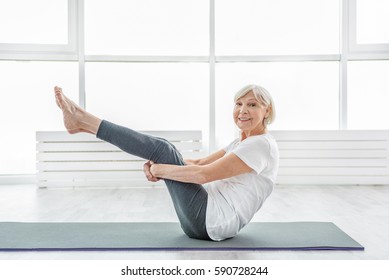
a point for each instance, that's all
(216, 196)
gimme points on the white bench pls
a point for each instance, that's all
(341, 157)
(82, 160)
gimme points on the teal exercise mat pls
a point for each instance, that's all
(15, 236)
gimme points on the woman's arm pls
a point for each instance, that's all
(207, 160)
(222, 168)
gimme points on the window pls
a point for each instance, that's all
(280, 27)
(36, 30)
(175, 64)
(372, 22)
(368, 88)
(305, 94)
(28, 106)
(147, 27)
(369, 26)
(34, 22)
(150, 96)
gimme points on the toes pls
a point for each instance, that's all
(57, 101)
(58, 91)
(60, 96)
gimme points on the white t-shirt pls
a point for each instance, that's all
(232, 202)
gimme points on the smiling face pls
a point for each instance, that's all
(249, 115)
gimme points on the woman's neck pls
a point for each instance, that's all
(246, 134)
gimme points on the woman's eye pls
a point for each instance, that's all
(252, 104)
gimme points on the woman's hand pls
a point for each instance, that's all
(147, 170)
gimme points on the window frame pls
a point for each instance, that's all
(12, 51)
(364, 50)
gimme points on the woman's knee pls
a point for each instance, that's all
(167, 153)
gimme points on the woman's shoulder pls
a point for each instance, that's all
(263, 142)
(265, 138)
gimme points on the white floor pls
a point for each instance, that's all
(361, 211)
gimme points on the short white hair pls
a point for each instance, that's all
(262, 95)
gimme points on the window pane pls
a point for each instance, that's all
(305, 94)
(372, 21)
(147, 27)
(260, 27)
(150, 96)
(368, 95)
(28, 105)
(34, 22)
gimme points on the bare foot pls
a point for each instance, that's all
(75, 118)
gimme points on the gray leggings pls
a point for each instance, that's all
(189, 200)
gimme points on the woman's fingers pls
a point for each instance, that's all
(146, 170)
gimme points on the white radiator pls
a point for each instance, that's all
(82, 160)
(355, 157)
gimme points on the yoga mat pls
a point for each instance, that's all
(15, 236)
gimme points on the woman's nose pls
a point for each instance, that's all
(243, 109)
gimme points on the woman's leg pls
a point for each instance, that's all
(189, 200)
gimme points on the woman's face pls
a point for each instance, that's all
(249, 114)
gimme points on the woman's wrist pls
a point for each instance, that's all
(191, 161)
(154, 170)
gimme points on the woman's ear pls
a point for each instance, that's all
(268, 110)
